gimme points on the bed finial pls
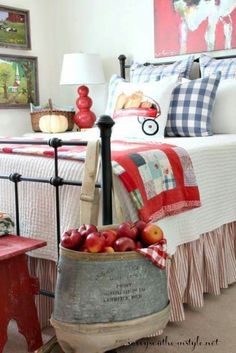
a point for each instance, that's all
(105, 121)
(122, 59)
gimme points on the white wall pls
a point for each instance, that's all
(17, 121)
(65, 26)
(107, 27)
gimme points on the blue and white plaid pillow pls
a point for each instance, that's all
(191, 107)
(113, 83)
(140, 73)
(209, 65)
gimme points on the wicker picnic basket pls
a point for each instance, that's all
(36, 115)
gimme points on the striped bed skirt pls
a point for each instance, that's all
(202, 266)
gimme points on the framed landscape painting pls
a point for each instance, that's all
(14, 28)
(193, 26)
(18, 81)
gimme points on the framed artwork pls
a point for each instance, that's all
(14, 28)
(18, 81)
(193, 26)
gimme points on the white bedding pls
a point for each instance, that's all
(214, 163)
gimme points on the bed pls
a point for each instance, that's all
(201, 241)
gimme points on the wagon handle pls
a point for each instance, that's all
(158, 105)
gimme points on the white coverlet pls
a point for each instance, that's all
(214, 163)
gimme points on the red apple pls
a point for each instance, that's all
(66, 242)
(151, 234)
(110, 237)
(86, 229)
(71, 239)
(124, 244)
(82, 248)
(127, 229)
(139, 245)
(109, 249)
(140, 225)
(95, 242)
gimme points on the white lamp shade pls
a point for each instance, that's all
(80, 68)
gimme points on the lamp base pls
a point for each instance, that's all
(84, 118)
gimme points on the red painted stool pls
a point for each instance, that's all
(17, 290)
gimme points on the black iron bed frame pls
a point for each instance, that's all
(105, 124)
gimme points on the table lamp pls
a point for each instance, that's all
(84, 69)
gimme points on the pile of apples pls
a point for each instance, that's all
(128, 236)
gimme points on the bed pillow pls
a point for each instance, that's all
(140, 110)
(224, 110)
(146, 73)
(209, 65)
(191, 107)
(113, 83)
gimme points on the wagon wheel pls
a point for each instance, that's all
(150, 127)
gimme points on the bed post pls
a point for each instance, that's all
(122, 59)
(105, 124)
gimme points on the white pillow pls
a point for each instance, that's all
(140, 110)
(210, 65)
(146, 73)
(114, 81)
(224, 110)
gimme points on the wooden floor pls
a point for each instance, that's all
(16, 342)
(52, 346)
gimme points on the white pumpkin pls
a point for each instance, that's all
(53, 123)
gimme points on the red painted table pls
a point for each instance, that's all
(17, 290)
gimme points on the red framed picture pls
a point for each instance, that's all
(193, 26)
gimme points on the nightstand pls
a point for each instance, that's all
(17, 289)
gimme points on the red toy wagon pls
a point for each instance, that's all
(146, 116)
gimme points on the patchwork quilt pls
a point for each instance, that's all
(158, 176)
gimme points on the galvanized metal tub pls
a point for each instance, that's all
(115, 297)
